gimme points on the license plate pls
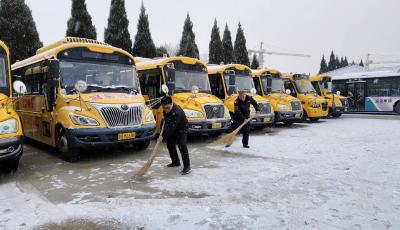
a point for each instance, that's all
(298, 115)
(216, 125)
(126, 136)
(266, 119)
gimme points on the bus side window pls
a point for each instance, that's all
(217, 87)
(150, 84)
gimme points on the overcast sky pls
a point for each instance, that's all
(349, 27)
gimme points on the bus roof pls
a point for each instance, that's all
(319, 77)
(51, 51)
(143, 64)
(213, 69)
(365, 75)
(259, 72)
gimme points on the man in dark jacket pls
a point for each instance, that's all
(242, 113)
(175, 133)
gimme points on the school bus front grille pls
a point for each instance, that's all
(296, 105)
(214, 111)
(265, 108)
(121, 115)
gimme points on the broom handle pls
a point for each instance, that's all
(245, 122)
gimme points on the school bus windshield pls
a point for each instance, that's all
(99, 76)
(244, 83)
(185, 80)
(277, 84)
(4, 87)
(326, 84)
(304, 86)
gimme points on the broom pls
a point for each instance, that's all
(229, 138)
(141, 172)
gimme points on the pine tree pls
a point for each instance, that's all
(215, 47)
(144, 45)
(323, 66)
(161, 51)
(346, 63)
(254, 63)
(18, 29)
(337, 63)
(342, 62)
(240, 51)
(188, 46)
(332, 62)
(80, 24)
(353, 63)
(117, 33)
(227, 46)
(361, 63)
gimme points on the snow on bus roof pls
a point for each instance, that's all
(356, 71)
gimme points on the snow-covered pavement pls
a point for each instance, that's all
(335, 174)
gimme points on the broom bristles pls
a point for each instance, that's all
(229, 138)
(145, 168)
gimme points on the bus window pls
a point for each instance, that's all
(150, 83)
(217, 86)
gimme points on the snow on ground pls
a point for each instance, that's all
(336, 174)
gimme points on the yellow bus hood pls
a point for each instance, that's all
(199, 99)
(110, 98)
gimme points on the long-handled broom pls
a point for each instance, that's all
(229, 138)
(141, 172)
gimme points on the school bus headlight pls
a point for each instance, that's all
(83, 120)
(283, 107)
(8, 126)
(192, 113)
(252, 110)
(226, 113)
(315, 105)
(150, 117)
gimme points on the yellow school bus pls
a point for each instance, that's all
(323, 85)
(187, 82)
(269, 84)
(299, 86)
(227, 80)
(82, 93)
(11, 135)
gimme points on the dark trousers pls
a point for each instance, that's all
(244, 131)
(180, 140)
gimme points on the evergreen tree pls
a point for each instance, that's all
(18, 29)
(353, 62)
(337, 63)
(80, 24)
(254, 63)
(188, 46)
(323, 66)
(227, 46)
(346, 63)
(332, 62)
(361, 63)
(144, 45)
(117, 33)
(342, 62)
(215, 47)
(161, 51)
(240, 51)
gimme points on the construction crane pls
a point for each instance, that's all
(260, 54)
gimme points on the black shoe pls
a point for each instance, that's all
(172, 165)
(227, 146)
(246, 146)
(185, 171)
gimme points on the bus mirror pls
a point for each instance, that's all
(232, 80)
(253, 91)
(81, 86)
(338, 93)
(171, 75)
(165, 89)
(288, 92)
(54, 68)
(19, 87)
(195, 89)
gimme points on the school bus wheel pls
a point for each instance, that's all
(9, 166)
(67, 152)
(314, 119)
(336, 115)
(288, 123)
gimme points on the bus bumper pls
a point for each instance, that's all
(106, 136)
(209, 126)
(316, 112)
(337, 110)
(262, 120)
(295, 116)
(11, 148)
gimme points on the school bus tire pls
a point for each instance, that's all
(314, 119)
(288, 123)
(67, 153)
(336, 115)
(10, 166)
(397, 107)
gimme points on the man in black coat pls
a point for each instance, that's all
(175, 133)
(242, 113)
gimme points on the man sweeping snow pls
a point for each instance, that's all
(175, 132)
(242, 113)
